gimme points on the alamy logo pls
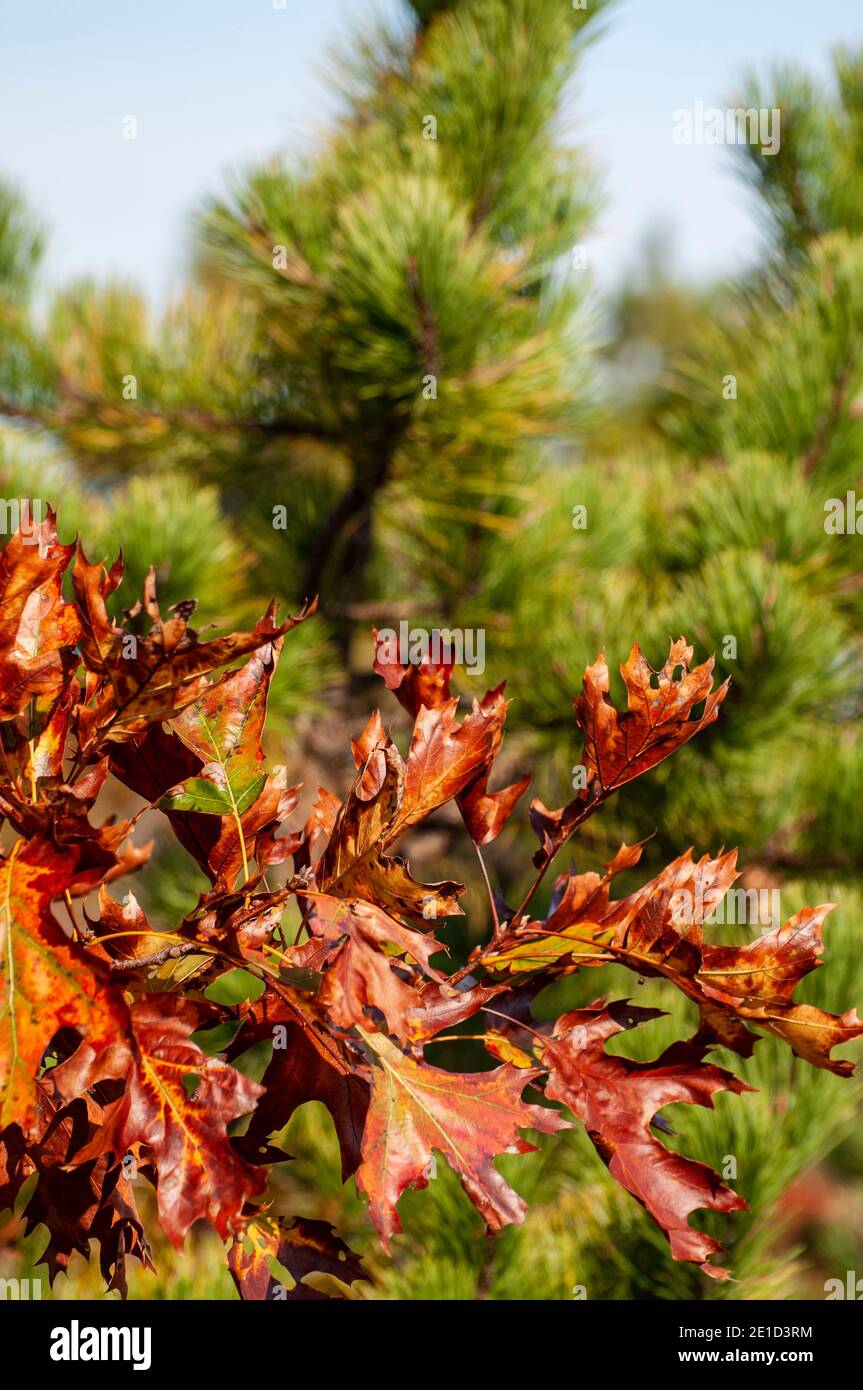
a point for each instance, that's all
(738, 907)
(17, 1289)
(441, 647)
(844, 516)
(852, 1287)
(23, 515)
(76, 1343)
(737, 125)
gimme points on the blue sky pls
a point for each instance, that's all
(215, 83)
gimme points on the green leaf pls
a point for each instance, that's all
(213, 798)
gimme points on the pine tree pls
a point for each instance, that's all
(720, 524)
(375, 335)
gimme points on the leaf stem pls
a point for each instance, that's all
(496, 928)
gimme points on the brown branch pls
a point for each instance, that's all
(429, 339)
(815, 453)
(347, 532)
(188, 418)
(157, 958)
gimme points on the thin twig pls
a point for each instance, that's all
(496, 927)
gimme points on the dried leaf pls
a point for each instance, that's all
(469, 1118)
(617, 1101)
(38, 631)
(46, 981)
(303, 1247)
(145, 679)
(308, 1063)
(179, 1103)
(620, 747)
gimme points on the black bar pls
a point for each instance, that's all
(251, 1338)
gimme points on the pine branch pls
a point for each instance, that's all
(192, 418)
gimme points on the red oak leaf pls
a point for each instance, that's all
(178, 1102)
(469, 1118)
(617, 1101)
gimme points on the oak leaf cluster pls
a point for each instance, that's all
(104, 1080)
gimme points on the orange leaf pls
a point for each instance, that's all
(37, 629)
(467, 1117)
(46, 981)
(179, 1103)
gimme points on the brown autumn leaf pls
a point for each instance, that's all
(386, 879)
(469, 1118)
(445, 758)
(152, 762)
(486, 813)
(388, 795)
(229, 847)
(15, 1166)
(223, 729)
(363, 819)
(271, 846)
(441, 1006)
(308, 1063)
(363, 981)
(573, 933)
(337, 919)
(659, 930)
(156, 761)
(617, 1101)
(145, 679)
(353, 863)
(241, 923)
(364, 967)
(129, 936)
(77, 1202)
(428, 685)
(47, 981)
(179, 1103)
(38, 631)
(413, 685)
(758, 981)
(620, 747)
(302, 1246)
(59, 814)
(33, 746)
(658, 718)
(320, 821)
